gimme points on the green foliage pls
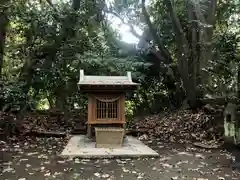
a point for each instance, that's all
(43, 104)
(225, 65)
(154, 97)
(47, 44)
(129, 111)
(11, 95)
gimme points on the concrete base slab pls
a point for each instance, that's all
(82, 147)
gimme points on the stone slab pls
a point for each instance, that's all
(82, 147)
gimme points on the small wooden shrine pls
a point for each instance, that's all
(106, 99)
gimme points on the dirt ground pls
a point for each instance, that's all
(38, 159)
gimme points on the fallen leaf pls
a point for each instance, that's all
(9, 169)
(154, 168)
(28, 165)
(105, 176)
(97, 174)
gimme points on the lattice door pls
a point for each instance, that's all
(107, 108)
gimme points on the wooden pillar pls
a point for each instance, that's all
(90, 116)
(122, 111)
(89, 131)
(122, 108)
(124, 127)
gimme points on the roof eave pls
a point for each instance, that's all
(132, 84)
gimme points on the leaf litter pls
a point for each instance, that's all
(180, 128)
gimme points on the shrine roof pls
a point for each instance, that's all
(106, 80)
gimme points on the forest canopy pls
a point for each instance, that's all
(187, 50)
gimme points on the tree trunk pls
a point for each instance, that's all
(154, 33)
(3, 27)
(61, 96)
(194, 47)
(206, 40)
(51, 102)
(185, 60)
(238, 81)
(192, 35)
(76, 4)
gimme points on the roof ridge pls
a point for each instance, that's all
(105, 80)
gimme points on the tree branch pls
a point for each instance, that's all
(132, 30)
(51, 4)
(114, 42)
(183, 48)
(175, 20)
(211, 12)
(178, 27)
(153, 31)
(209, 19)
(197, 11)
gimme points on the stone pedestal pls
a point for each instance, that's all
(109, 137)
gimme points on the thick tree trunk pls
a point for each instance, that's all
(238, 81)
(206, 40)
(185, 60)
(192, 59)
(61, 94)
(192, 36)
(3, 27)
